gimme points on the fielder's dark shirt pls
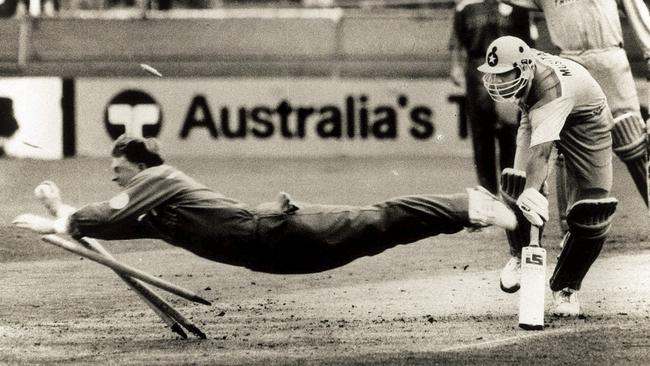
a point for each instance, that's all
(163, 203)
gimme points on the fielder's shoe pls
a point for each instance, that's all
(486, 209)
(510, 275)
(566, 303)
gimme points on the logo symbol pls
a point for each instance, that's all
(535, 259)
(134, 112)
(119, 202)
(492, 58)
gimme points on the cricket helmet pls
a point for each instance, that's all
(504, 55)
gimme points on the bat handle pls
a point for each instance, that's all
(534, 236)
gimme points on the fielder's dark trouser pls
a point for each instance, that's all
(482, 117)
(320, 237)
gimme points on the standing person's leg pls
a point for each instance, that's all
(317, 237)
(507, 137)
(508, 115)
(562, 187)
(482, 119)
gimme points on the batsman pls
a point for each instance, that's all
(563, 108)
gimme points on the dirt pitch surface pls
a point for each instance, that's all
(433, 302)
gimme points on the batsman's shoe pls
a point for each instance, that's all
(486, 209)
(511, 275)
(566, 303)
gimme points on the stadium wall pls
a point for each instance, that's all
(273, 116)
(242, 58)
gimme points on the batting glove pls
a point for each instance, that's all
(534, 206)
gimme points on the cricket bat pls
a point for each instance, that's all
(533, 283)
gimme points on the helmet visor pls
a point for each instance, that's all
(501, 89)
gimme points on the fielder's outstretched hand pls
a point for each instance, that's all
(39, 224)
(50, 196)
(534, 206)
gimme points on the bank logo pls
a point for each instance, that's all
(133, 112)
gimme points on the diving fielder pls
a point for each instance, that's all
(563, 107)
(590, 33)
(160, 202)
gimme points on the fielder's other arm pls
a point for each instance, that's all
(50, 196)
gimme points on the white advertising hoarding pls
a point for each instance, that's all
(37, 109)
(271, 117)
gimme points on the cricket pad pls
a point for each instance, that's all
(630, 144)
(589, 222)
(629, 137)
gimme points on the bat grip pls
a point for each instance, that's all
(534, 236)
